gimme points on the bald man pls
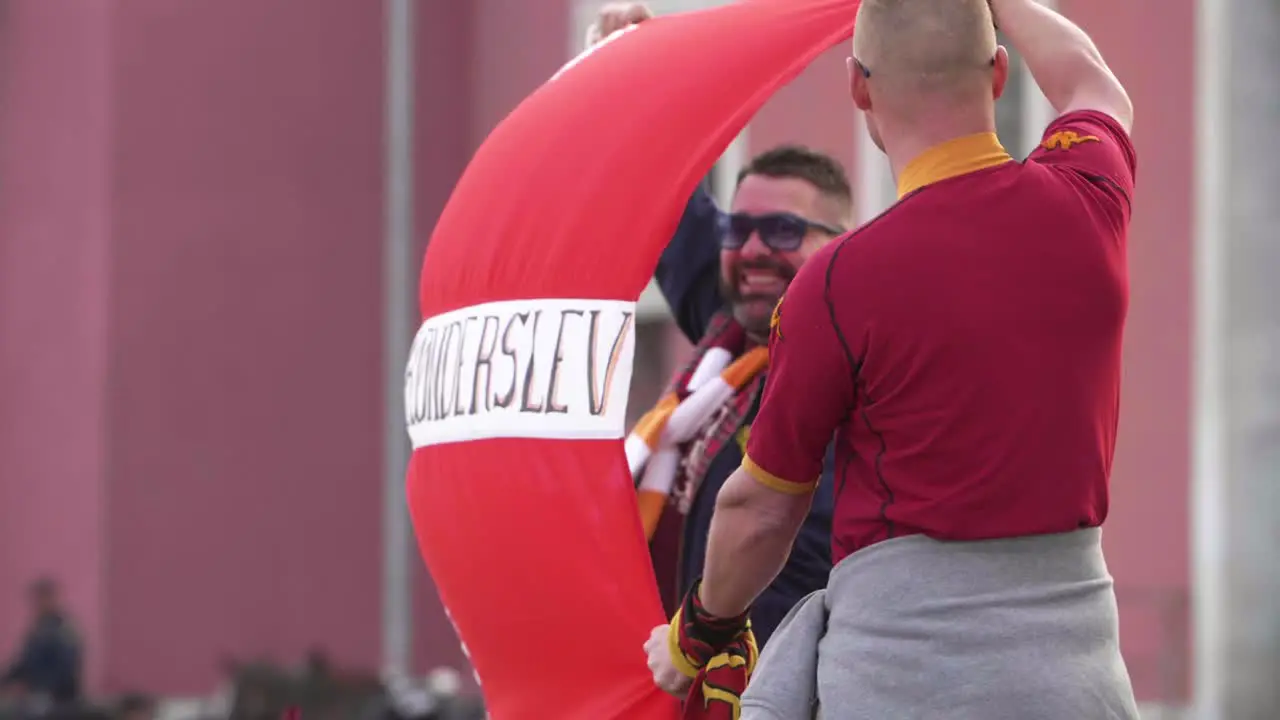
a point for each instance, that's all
(964, 350)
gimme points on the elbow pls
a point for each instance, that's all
(1089, 84)
(767, 510)
(1123, 112)
(1109, 100)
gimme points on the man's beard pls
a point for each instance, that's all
(754, 310)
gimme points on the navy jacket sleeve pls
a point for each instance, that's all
(688, 272)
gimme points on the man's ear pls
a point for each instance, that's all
(858, 89)
(1000, 72)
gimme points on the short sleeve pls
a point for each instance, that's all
(1094, 146)
(809, 390)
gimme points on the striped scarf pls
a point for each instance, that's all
(673, 444)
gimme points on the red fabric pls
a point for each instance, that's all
(573, 196)
(966, 346)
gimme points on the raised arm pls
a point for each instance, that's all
(1063, 60)
(688, 272)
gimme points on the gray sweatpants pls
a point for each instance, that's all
(913, 628)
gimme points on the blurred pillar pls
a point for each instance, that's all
(1208, 479)
(399, 269)
(1248, 339)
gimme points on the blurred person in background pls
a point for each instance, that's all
(722, 276)
(46, 670)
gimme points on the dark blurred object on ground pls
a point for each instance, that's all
(68, 711)
(263, 691)
(268, 691)
(135, 706)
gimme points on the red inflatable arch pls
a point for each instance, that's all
(517, 383)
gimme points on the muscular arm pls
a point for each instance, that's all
(808, 393)
(1063, 60)
(752, 532)
(688, 272)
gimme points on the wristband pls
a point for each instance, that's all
(697, 636)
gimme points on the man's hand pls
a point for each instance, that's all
(665, 674)
(616, 16)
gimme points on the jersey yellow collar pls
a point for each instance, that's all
(954, 157)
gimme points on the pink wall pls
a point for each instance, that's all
(518, 44)
(191, 329)
(244, 394)
(55, 209)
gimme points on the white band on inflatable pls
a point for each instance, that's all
(554, 369)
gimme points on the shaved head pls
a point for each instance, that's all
(926, 47)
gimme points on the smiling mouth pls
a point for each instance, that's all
(760, 283)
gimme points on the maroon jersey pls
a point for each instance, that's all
(963, 348)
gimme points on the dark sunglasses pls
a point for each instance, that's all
(782, 232)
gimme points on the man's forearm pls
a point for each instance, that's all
(752, 531)
(1062, 58)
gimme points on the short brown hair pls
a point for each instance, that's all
(818, 169)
